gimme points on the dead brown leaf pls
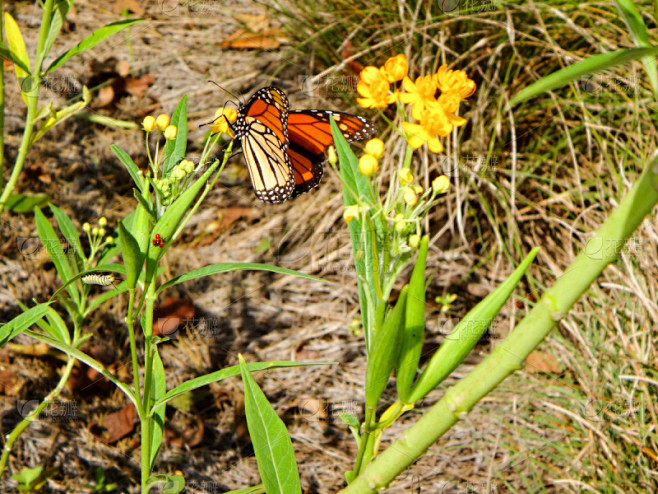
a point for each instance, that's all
(131, 5)
(257, 34)
(542, 362)
(138, 86)
(173, 313)
(191, 435)
(116, 425)
(10, 383)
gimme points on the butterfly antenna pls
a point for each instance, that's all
(225, 90)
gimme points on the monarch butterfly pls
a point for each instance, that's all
(98, 279)
(285, 149)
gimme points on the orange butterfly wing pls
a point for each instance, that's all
(309, 133)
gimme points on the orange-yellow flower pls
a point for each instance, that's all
(419, 93)
(454, 81)
(396, 68)
(221, 121)
(375, 88)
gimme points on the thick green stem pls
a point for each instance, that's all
(34, 415)
(509, 356)
(146, 418)
(2, 108)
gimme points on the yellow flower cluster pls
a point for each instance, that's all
(436, 115)
(223, 118)
(162, 124)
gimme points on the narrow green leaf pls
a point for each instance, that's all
(467, 333)
(132, 257)
(21, 203)
(175, 150)
(67, 227)
(158, 390)
(638, 29)
(17, 48)
(85, 359)
(223, 267)
(145, 205)
(272, 445)
(385, 351)
(51, 242)
(10, 55)
(59, 329)
(590, 65)
(222, 374)
(61, 115)
(355, 189)
(257, 489)
(21, 322)
(92, 40)
(169, 484)
(130, 165)
(414, 326)
(168, 223)
(61, 8)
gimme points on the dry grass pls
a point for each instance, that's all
(561, 163)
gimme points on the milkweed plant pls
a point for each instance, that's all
(166, 196)
(385, 223)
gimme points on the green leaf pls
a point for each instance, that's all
(590, 65)
(414, 326)
(92, 40)
(58, 324)
(132, 257)
(350, 420)
(175, 150)
(61, 8)
(157, 422)
(130, 165)
(461, 340)
(69, 230)
(169, 484)
(21, 322)
(385, 351)
(106, 121)
(272, 445)
(85, 359)
(223, 267)
(356, 188)
(10, 55)
(222, 374)
(18, 53)
(61, 115)
(638, 29)
(51, 242)
(20, 203)
(168, 223)
(257, 489)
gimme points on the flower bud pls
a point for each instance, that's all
(94, 232)
(86, 227)
(102, 221)
(440, 185)
(331, 153)
(405, 176)
(162, 122)
(368, 165)
(410, 196)
(187, 166)
(177, 173)
(148, 124)
(375, 147)
(170, 132)
(350, 213)
(414, 241)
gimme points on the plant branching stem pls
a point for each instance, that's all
(509, 356)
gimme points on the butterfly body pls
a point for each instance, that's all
(285, 149)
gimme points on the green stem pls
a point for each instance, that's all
(130, 322)
(146, 418)
(2, 108)
(509, 356)
(34, 415)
